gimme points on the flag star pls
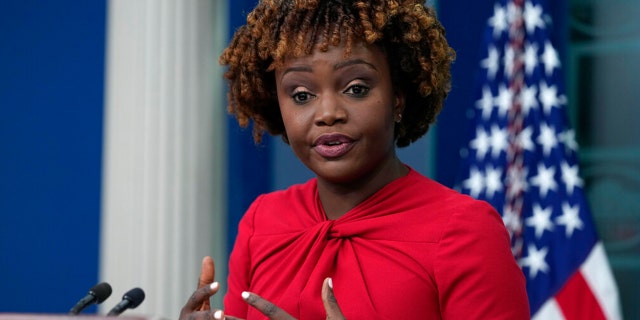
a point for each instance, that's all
(544, 179)
(493, 181)
(533, 17)
(491, 62)
(499, 140)
(549, 97)
(528, 99)
(535, 260)
(547, 138)
(540, 220)
(570, 218)
(485, 103)
(530, 57)
(550, 58)
(480, 143)
(509, 60)
(568, 138)
(475, 183)
(516, 180)
(570, 177)
(504, 100)
(498, 21)
(524, 140)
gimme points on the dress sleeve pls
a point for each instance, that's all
(476, 273)
(240, 266)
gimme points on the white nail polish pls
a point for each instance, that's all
(330, 283)
(245, 295)
(214, 286)
(217, 315)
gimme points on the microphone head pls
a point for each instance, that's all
(101, 291)
(135, 296)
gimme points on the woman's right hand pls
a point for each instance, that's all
(198, 305)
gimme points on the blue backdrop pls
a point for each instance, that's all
(248, 165)
(51, 92)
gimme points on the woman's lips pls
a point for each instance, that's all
(333, 145)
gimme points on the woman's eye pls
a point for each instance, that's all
(302, 97)
(357, 90)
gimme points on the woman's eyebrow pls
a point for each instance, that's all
(337, 66)
(297, 69)
(353, 62)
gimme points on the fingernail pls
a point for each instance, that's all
(214, 286)
(330, 283)
(218, 314)
(245, 295)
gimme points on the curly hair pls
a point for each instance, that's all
(409, 33)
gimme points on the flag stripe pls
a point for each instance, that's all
(549, 310)
(577, 301)
(596, 274)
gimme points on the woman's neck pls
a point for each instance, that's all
(338, 198)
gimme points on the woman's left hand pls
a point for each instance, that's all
(274, 312)
(195, 307)
(198, 305)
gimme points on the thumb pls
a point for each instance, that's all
(329, 300)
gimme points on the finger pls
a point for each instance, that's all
(204, 315)
(217, 314)
(207, 275)
(329, 300)
(207, 272)
(198, 298)
(267, 308)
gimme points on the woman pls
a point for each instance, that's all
(345, 83)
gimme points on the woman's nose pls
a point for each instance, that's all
(330, 110)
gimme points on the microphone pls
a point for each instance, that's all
(130, 300)
(96, 294)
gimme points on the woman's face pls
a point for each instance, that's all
(339, 112)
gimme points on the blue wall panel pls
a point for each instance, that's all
(51, 105)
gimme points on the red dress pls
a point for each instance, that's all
(413, 250)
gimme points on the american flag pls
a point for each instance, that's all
(522, 158)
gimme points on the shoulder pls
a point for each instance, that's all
(293, 195)
(475, 270)
(430, 211)
(284, 210)
(454, 205)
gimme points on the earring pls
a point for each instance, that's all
(398, 117)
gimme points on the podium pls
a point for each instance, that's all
(46, 316)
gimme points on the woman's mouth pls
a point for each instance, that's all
(333, 145)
